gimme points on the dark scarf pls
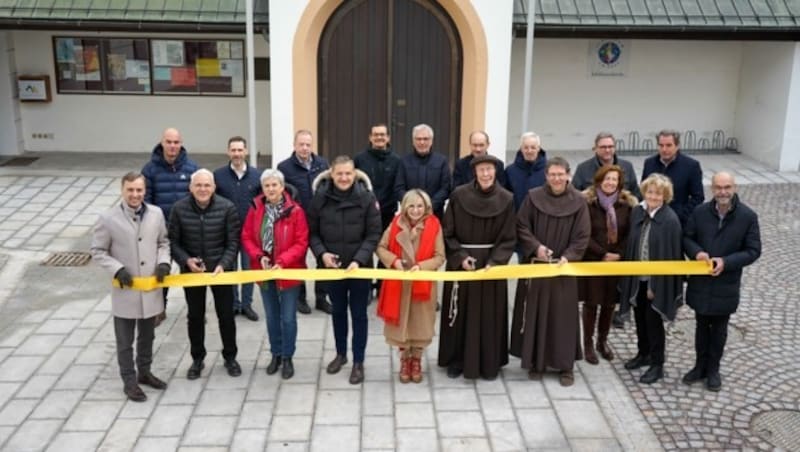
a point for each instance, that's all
(271, 214)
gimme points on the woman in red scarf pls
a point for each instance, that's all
(413, 241)
(610, 212)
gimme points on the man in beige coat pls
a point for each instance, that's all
(130, 240)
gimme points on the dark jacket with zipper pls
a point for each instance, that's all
(239, 191)
(735, 238)
(210, 233)
(345, 223)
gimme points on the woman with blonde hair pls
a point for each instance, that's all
(413, 241)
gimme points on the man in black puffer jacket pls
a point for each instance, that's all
(344, 224)
(204, 233)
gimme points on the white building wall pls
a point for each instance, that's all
(496, 20)
(9, 139)
(131, 123)
(668, 84)
(767, 108)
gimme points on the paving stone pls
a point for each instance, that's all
(249, 440)
(338, 407)
(290, 428)
(296, 399)
(417, 440)
(412, 415)
(455, 399)
(182, 392)
(16, 411)
(255, 415)
(505, 436)
(527, 394)
(57, 326)
(122, 436)
(60, 361)
(466, 444)
(79, 377)
(37, 386)
(160, 444)
(16, 335)
(33, 435)
(57, 405)
(72, 441)
(140, 410)
(93, 416)
(377, 432)
(377, 401)
(460, 424)
(40, 344)
(496, 407)
(582, 419)
(169, 420)
(19, 368)
(209, 431)
(80, 337)
(344, 437)
(540, 429)
(220, 402)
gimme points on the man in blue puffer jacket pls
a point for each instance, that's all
(166, 177)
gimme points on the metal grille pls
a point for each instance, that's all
(67, 259)
(780, 428)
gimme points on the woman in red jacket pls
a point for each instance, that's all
(275, 236)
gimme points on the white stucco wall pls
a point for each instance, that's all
(8, 128)
(496, 20)
(767, 107)
(668, 84)
(131, 123)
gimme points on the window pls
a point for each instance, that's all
(149, 66)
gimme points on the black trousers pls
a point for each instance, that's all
(124, 331)
(223, 304)
(710, 335)
(649, 328)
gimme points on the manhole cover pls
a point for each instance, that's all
(19, 161)
(67, 259)
(684, 330)
(780, 428)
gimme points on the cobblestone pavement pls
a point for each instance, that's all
(760, 371)
(60, 389)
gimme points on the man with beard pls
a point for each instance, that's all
(553, 226)
(478, 231)
(725, 232)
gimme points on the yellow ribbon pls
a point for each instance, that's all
(523, 271)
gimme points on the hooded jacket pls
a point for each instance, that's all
(345, 223)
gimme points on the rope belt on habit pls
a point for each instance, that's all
(477, 246)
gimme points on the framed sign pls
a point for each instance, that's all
(34, 88)
(609, 57)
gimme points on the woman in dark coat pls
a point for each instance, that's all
(610, 214)
(478, 232)
(553, 226)
(655, 235)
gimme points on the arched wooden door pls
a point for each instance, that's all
(395, 61)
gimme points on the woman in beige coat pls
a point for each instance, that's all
(413, 241)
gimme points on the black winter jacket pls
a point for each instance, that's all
(301, 177)
(211, 234)
(347, 224)
(737, 240)
(381, 167)
(430, 172)
(239, 191)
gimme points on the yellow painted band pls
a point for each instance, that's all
(522, 271)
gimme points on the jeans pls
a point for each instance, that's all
(280, 306)
(355, 293)
(223, 304)
(247, 289)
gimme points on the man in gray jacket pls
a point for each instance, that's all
(605, 154)
(129, 240)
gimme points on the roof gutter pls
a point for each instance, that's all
(734, 33)
(127, 26)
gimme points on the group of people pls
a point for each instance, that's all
(347, 212)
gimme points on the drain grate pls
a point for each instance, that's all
(67, 259)
(780, 428)
(19, 161)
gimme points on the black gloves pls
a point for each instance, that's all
(124, 278)
(162, 270)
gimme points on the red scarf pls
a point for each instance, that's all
(389, 298)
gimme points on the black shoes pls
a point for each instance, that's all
(274, 365)
(714, 382)
(694, 375)
(134, 392)
(336, 365)
(653, 374)
(248, 312)
(303, 307)
(637, 362)
(233, 367)
(194, 370)
(454, 371)
(288, 369)
(151, 380)
(323, 305)
(357, 374)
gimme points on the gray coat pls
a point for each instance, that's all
(120, 239)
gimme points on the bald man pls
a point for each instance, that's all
(166, 177)
(725, 233)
